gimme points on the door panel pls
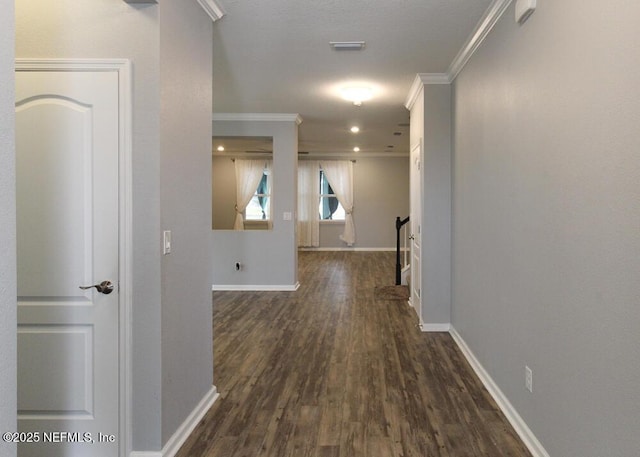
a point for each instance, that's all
(64, 353)
(67, 140)
(54, 189)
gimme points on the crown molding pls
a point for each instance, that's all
(486, 23)
(212, 8)
(420, 80)
(434, 78)
(491, 16)
(260, 117)
(414, 91)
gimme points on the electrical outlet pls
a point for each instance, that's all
(528, 379)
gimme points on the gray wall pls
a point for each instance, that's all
(8, 324)
(260, 250)
(380, 194)
(185, 187)
(179, 352)
(431, 125)
(103, 29)
(436, 206)
(546, 245)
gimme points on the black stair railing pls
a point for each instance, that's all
(399, 224)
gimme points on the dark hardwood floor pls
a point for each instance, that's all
(333, 371)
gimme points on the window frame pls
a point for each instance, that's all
(269, 196)
(332, 195)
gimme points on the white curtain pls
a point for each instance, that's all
(248, 176)
(339, 173)
(308, 201)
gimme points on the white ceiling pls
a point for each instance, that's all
(273, 56)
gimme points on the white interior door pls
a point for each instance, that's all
(415, 183)
(67, 219)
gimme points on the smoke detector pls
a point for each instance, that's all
(524, 9)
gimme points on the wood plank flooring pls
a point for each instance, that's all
(332, 371)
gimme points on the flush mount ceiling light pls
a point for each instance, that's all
(220, 148)
(355, 129)
(355, 91)
(356, 149)
(356, 94)
(347, 45)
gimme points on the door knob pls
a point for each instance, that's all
(105, 287)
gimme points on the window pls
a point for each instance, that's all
(259, 208)
(330, 208)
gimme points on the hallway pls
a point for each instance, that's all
(333, 371)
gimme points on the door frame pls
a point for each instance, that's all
(416, 204)
(125, 224)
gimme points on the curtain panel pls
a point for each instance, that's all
(308, 201)
(339, 173)
(248, 176)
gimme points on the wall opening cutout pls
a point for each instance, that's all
(242, 183)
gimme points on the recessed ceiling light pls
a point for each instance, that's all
(356, 94)
(355, 129)
(220, 148)
(356, 149)
(347, 45)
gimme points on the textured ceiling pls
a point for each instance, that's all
(274, 57)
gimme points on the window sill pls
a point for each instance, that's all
(257, 225)
(331, 222)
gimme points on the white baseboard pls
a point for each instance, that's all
(435, 327)
(516, 421)
(348, 249)
(256, 288)
(429, 327)
(180, 436)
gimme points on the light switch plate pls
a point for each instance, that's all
(286, 216)
(166, 242)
